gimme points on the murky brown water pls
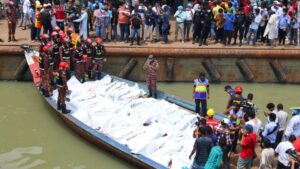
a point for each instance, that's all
(33, 137)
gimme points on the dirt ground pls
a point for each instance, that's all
(23, 36)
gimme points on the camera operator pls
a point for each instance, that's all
(284, 159)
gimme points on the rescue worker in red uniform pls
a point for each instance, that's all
(98, 59)
(151, 67)
(12, 20)
(55, 49)
(79, 63)
(65, 54)
(45, 63)
(44, 41)
(62, 87)
(59, 12)
(88, 49)
(201, 94)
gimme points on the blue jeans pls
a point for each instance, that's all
(254, 31)
(114, 32)
(135, 32)
(38, 33)
(124, 28)
(99, 31)
(21, 18)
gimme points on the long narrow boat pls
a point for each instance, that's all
(102, 140)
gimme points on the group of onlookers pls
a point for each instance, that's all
(229, 22)
(240, 131)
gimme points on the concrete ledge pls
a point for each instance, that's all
(204, 52)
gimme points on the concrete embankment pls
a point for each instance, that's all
(183, 64)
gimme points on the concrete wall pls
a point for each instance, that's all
(185, 68)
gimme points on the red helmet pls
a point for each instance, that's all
(45, 36)
(46, 49)
(63, 65)
(64, 40)
(85, 57)
(11, 3)
(98, 40)
(238, 90)
(88, 40)
(56, 28)
(69, 30)
(54, 34)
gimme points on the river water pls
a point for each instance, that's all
(33, 137)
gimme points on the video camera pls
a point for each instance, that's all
(293, 154)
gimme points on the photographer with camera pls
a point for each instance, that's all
(285, 161)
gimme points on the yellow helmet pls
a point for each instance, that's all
(210, 112)
(38, 5)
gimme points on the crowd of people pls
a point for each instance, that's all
(229, 22)
(216, 140)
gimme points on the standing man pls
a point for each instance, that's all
(65, 54)
(151, 68)
(228, 27)
(202, 147)
(293, 126)
(254, 27)
(98, 59)
(206, 24)
(149, 22)
(180, 17)
(239, 27)
(188, 21)
(46, 20)
(248, 144)
(284, 159)
(158, 13)
(136, 22)
(282, 118)
(284, 23)
(271, 130)
(62, 87)
(59, 11)
(124, 18)
(26, 7)
(12, 19)
(201, 93)
(83, 20)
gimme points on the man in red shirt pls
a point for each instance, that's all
(247, 144)
(210, 120)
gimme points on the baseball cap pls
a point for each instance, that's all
(248, 127)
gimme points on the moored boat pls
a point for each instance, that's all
(106, 139)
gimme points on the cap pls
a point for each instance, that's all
(295, 110)
(248, 127)
(227, 87)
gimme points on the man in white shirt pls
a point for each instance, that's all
(282, 118)
(293, 126)
(284, 158)
(26, 7)
(254, 27)
(254, 122)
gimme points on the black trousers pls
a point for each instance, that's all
(203, 107)
(204, 33)
(260, 33)
(240, 31)
(227, 37)
(281, 166)
(197, 32)
(281, 36)
(219, 34)
(279, 137)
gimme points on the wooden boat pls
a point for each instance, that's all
(99, 139)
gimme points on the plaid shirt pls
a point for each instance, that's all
(222, 132)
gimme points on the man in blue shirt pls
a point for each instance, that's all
(271, 130)
(284, 22)
(229, 19)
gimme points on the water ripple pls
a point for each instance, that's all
(21, 158)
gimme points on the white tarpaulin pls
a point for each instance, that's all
(157, 129)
